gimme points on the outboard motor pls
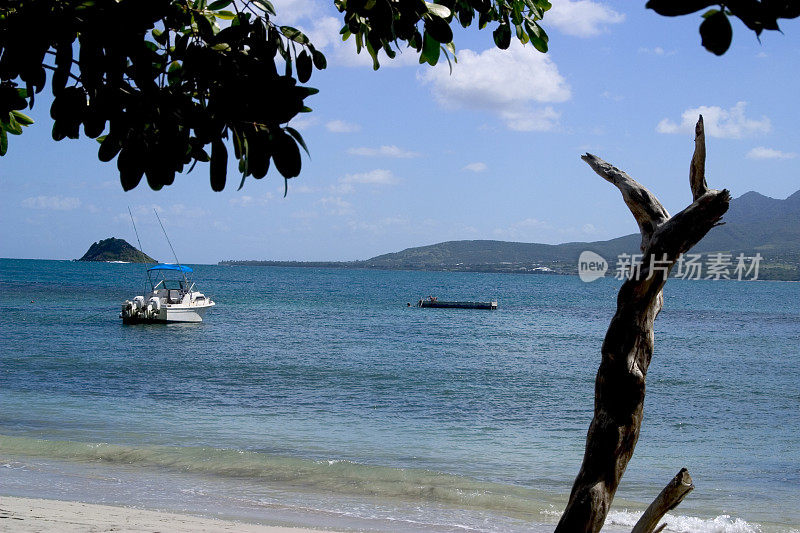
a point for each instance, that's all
(138, 303)
(153, 306)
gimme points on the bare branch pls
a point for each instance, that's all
(697, 168)
(686, 228)
(645, 207)
(668, 499)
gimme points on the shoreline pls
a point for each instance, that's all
(38, 514)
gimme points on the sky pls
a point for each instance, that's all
(413, 155)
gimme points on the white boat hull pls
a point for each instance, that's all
(177, 313)
(167, 313)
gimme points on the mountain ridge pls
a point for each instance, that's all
(754, 224)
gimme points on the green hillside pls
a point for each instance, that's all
(112, 249)
(754, 224)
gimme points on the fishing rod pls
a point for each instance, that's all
(177, 262)
(135, 231)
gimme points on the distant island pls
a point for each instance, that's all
(754, 224)
(112, 249)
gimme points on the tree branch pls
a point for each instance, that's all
(697, 168)
(668, 499)
(645, 207)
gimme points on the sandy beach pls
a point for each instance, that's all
(29, 515)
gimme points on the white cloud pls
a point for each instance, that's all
(608, 95)
(581, 18)
(380, 226)
(341, 126)
(524, 230)
(376, 177)
(304, 215)
(335, 205)
(762, 152)
(657, 51)
(303, 189)
(323, 32)
(504, 82)
(544, 119)
(341, 188)
(723, 123)
(303, 121)
(55, 203)
(383, 151)
(184, 211)
(175, 215)
(290, 11)
(249, 201)
(477, 166)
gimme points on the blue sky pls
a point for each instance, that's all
(412, 155)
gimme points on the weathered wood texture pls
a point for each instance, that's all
(668, 499)
(628, 345)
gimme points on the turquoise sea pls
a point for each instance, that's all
(316, 397)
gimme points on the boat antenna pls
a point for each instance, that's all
(177, 262)
(135, 231)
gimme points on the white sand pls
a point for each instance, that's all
(28, 515)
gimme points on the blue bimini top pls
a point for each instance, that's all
(170, 266)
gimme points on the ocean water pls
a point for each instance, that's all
(316, 397)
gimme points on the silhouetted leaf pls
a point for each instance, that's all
(265, 5)
(304, 67)
(319, 60)
(297, 137)
(502, 36)
(219, 165)
(294, 34)
(674, 8)
(439, 29)
(430, 50)
(109, 148)
(286, 155)
(717, 33)
(219, 4)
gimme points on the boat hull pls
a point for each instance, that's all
(171, 314)
(457, 305)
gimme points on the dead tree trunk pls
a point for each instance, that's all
(667, 500)
(628, 345)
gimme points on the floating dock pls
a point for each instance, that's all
(434, 302)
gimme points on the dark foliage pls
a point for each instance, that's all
(715, 30)
(163, 84)
(158, 81)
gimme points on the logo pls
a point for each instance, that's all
(591, 266)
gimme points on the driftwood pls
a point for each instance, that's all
(668, 499)
(628, 345)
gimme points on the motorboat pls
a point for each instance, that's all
(172, 298)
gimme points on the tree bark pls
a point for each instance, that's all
(668, 499)
(628, 345)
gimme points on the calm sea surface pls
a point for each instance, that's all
(316, 397)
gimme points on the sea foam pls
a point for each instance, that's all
(688, 524)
